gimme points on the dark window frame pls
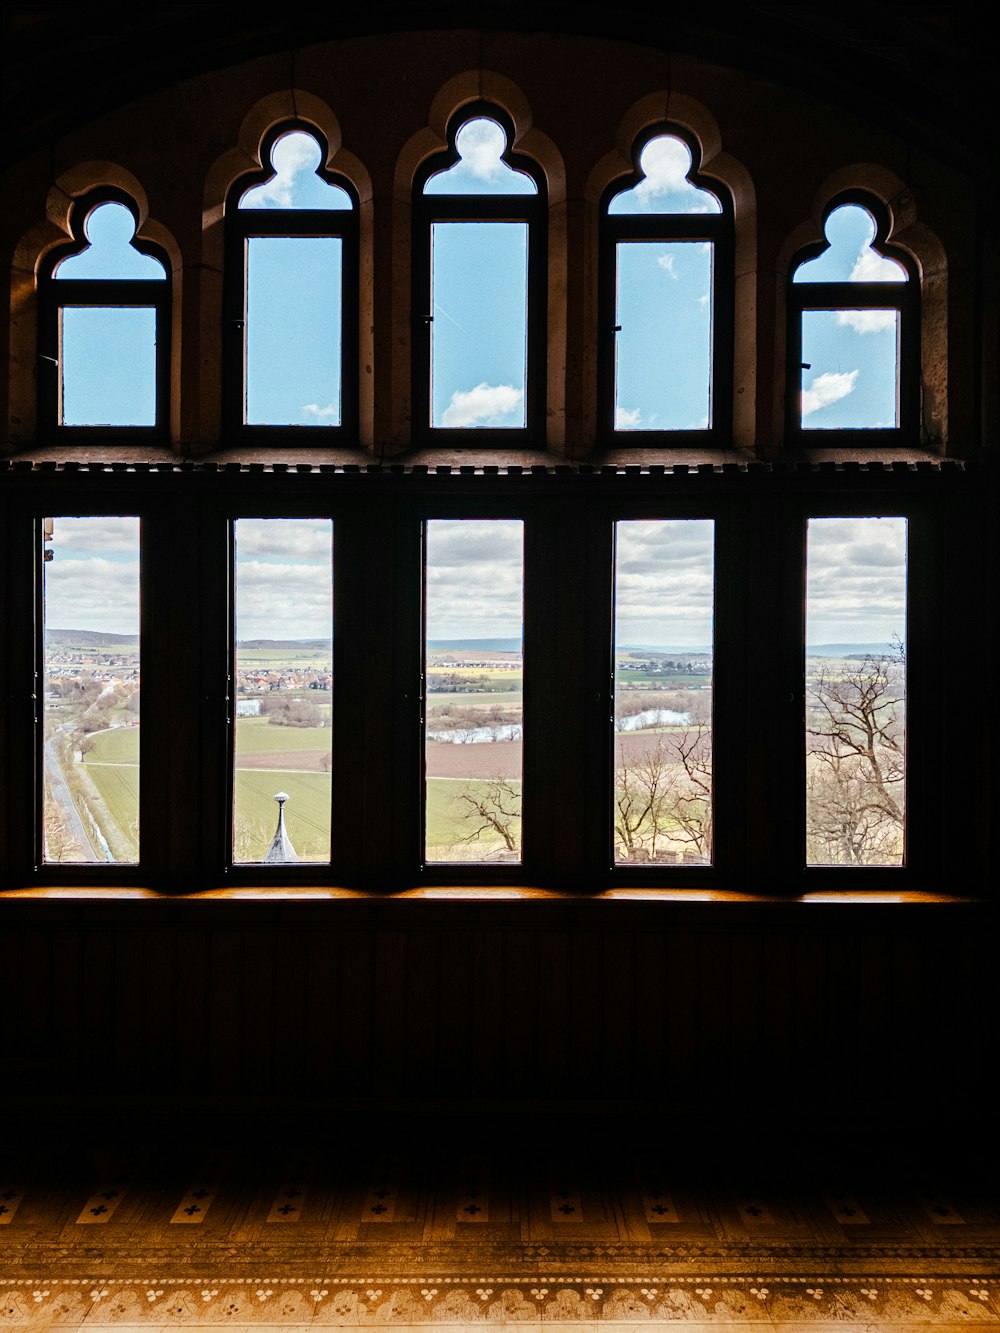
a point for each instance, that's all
(903, 297)
(127, 293)
(531, 209)
(717, 228)
(378, 515)
(244, 224)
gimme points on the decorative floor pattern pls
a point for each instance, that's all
(408, 1240)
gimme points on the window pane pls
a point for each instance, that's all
(665, 163)
(293, 330)
(849, 256)
(474, 617)
(480, 168)
(855, 691)
(850, 376)
(284, 681)
(107, 366)
(109, 229)
(663, 365)
(295, 184)
(90, 636)
(664, 613)
(479, 293)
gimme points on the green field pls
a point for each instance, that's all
(256, 735)
(445, 825)
(437, 700)
(112, 765)
(120, 746)
(283, 656)
(307, 813)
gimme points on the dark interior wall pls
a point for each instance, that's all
(817, 1015)
(789, 1009)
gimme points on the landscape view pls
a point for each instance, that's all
(661, 806)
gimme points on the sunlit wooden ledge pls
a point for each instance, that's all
(482, 894)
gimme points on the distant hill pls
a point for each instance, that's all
(851, 650)
(474, 645)
(660, 651)
(313, 645)
(89, 638)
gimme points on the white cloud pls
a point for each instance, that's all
(826, 389)
(628, 418)
(314, 410)
(92, 593)
(664, 581)
(867, 321)
(480, 144)
(286, 540)
(96, 533)
(482, 405)
(857, 579)
(872, 267)
(665, 163)
(283, 601)
(292, 155)
(666, 262)
(475, 576)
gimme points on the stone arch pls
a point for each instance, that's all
(50, 231)
(678, 111)
(296, 108)
(480, 85)
(928, 254)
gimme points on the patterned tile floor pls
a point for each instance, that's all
(401, 1226)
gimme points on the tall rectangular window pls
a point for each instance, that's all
(663, 351)
(107, 366)
(293, 330)
(283, 690)
(90, 716)
(473, 662)
(479, 330)
(855, 681)
(664, 612)
(850, 369)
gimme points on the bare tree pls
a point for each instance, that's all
(663, 795)
(855, 737)
(491, 809)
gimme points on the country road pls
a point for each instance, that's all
(60, 792)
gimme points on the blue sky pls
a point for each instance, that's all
(479, 270)
(108, 355)
(663, 301)
(852, 354)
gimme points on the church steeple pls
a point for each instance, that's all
(281, 848)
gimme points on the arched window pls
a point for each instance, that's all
(853, 333)
(291, 293)
(479, 285)
(666, 301)
(104, 327)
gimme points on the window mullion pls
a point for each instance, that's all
(21, 688)
(385, 579)
(179, 799)
(770, 694)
